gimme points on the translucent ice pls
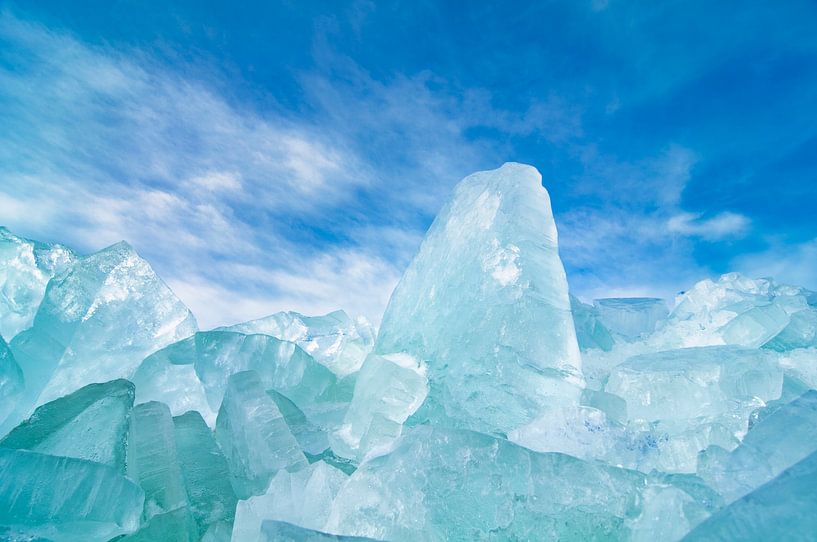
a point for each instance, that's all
(26, 266)
(631, 317)
(254, 436)
(97, 321)
(783, 509)
(216, 355)
(772, 445)
(11, 381)
(484, 304)
(279, 531)
(686, 386)
(334, 340)
(302, 498)
(389, 389)
(205, 472)
(65, 499)
(91, 423)
(443, 484)
(153, 461)
(590, 332)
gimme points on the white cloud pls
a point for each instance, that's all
(721, 226)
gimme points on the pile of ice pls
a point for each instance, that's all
(490, 405)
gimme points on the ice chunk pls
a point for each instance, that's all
(687, 385)
(174, 526)
(334, 340)
(26, 266)
(484, 304)
(216, 355)
(694, 397)
(172, 380)
(97, 321)
(303, 498)
(254, 436)
(801, 332)
(91, 423)
(756, 326)
(65, 499)
(205, 472)
(11, 381)
(631, 317)
(444, 484)
(153, 461)
(590, 332)
(388, 390)
(772, 445)
(279, 531)
(783, 509)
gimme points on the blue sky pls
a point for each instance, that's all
(290, 155)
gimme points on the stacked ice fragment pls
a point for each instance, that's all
(491, 404)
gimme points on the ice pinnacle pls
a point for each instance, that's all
(484, 304)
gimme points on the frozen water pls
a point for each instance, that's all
(335, 340)
(26, 266)
(97, 321)
(91, 423)
(303, 498)
(484, 305)
(65, 499)
(254, 436)
(631, 317)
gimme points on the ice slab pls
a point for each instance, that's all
(783, 509)
(631, 317)
(11, 381)
(774, 444)
(279, 531)
(26, 266)
(389, 389)
(64, 499)
(216, 355)
(335, 340)
(446, 484)
(97, 321)
(590, 332)
(303, 498)
(205, 472)
(485, 305)
(153, 461)
(254, 436)
(92, 423)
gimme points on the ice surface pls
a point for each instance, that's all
(65, 499)
(11, 381)
(153, 461)
(205, 472)
(631, 317)
(91, 423)
(772, 445)
(335, 340)
(590, 332)
(484, 304)
(97, 321)
(216, 355)
(388, 390)
(783, 509)
(448, 484)
(279, 531)
(26, 266)
(254, 436)
(302, 498)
